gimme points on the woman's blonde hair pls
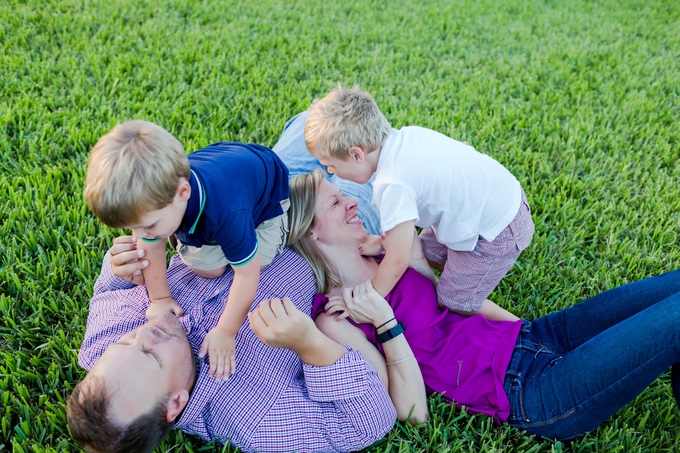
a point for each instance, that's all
(304, 190)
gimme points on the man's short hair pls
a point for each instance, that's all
(133, 170)
(91, 427)
(346, 117)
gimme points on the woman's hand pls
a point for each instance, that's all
(363, 304)
(126, 261)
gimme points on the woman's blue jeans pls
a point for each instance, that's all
(573, 369)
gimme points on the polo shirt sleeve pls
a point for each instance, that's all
(397, 204)
(236, 235)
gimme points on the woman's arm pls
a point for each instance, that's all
(398, 369)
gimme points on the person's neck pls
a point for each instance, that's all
(373, 158)
(352, 268)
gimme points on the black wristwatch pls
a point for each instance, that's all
(391, 333)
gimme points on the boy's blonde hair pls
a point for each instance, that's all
(346, 117)
(133, 170)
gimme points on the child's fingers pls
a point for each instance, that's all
(221, 364)
(213, 366)
(203, 350)
(232, 363)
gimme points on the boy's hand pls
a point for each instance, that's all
(372, 245)
(220, 347)
(158, 307)
(126, 261)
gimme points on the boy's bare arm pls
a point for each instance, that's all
(419, 262)
(156, 279)
(241, 295)
(220, 344)
(491, 311)
(398, 243)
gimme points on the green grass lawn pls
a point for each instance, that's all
(579, 99)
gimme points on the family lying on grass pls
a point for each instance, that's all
(245, 341)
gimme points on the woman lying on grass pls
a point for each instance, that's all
(558, 376)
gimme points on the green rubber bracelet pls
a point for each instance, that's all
(151, 240)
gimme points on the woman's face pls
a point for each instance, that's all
(336, 221)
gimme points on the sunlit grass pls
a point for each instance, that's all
(579, 99)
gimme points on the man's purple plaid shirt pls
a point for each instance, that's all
(274, 402)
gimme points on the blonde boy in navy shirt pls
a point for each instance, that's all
(226, 204)
(473, 211)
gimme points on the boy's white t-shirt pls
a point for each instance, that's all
(425, 176)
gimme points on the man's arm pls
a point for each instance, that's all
(121, 267)
(118, 304)
(344, 405)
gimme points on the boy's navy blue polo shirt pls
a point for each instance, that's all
(234, 188)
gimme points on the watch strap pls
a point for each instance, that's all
(391, 333)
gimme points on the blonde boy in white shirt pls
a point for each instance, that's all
(474, 214)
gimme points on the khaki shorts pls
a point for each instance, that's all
(271, 238)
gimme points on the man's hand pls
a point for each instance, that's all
(279, 324)
(126, 261)
(220, 348)
(161, 306)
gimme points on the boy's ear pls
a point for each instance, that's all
(183, 189)
(357, 154)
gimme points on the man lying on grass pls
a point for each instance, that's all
(294, 388)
